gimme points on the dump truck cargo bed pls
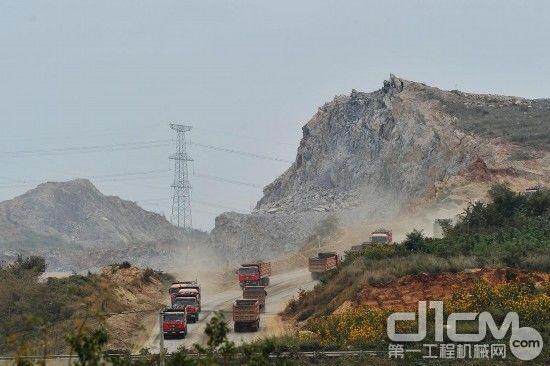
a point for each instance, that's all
(246, 314)
(255, 293)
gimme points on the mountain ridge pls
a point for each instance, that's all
(374, 156)
(76, 227)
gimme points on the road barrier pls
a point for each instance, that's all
(69, 360)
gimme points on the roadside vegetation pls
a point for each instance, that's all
(501, 121)
(362, 326)
(512, 230)
(365, 327)
(37, 315)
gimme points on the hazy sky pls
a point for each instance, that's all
(246, 74)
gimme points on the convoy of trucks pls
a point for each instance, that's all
(253, 278)
(322, 263)
(254, 274)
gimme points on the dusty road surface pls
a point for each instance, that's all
(281, 289)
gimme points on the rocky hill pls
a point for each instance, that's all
(75, 226)
(403, 150)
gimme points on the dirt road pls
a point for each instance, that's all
(281, 289)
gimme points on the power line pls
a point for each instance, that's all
(101, 178)
(138, 145)
(87, 149)
(218, 131)
(239, 152)
(97, 133)
(200, 202)
(140, 175)
(226, 180)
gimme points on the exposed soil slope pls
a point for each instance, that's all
(405, 292)
(38, 314)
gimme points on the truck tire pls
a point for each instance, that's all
(236, 328)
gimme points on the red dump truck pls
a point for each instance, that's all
(254, 274)
(190, 305)
(174, 322)
(180, 287)
(246, 315)
(322, 263)
(255, 293)
(190, 292)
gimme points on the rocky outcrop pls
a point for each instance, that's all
(372, 156)
(261, 235)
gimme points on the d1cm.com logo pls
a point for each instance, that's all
(525, 343)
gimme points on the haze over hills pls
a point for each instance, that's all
(406, 153)
(405, 150)
(77, 227)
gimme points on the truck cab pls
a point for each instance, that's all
(249, 275)
(174, 289)
(254, 274)
(188, 304)
(190, 292)
(174, 322)
(381, 236)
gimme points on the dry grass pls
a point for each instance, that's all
(350, 279)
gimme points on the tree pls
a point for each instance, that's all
(216, 330)
(415, 240)
(505, 201)
(88, 346)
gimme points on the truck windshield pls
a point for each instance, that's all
(174, 289)
(172, 317)
(248, 270)
(379, 239)
(184, 301)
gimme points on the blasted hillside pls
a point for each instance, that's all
(405, 150)
(74, 226)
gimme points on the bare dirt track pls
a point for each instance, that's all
(281, 289)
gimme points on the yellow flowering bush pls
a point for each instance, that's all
(363, 326)
(357, 326)
(531, 303)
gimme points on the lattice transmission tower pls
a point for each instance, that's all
(181, 188)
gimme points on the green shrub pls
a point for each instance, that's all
(513, 230)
